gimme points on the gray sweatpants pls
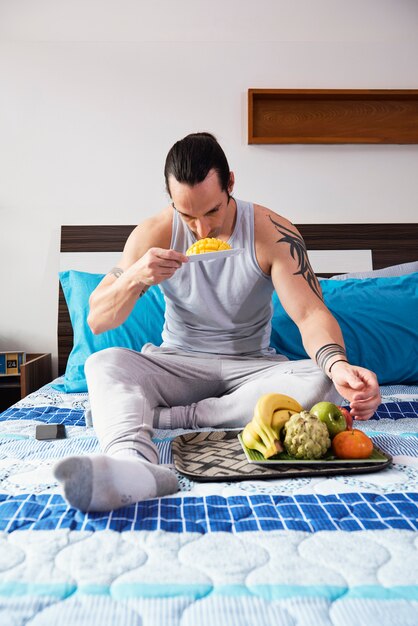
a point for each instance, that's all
(133, 392)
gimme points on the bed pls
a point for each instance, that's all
(330, 551)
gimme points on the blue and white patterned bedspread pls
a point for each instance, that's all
(337, 551)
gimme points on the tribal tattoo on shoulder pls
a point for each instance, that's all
(299, 253)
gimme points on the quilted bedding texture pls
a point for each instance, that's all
(329, 551)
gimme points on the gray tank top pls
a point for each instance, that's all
(222, 306)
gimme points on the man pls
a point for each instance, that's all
(215, 361)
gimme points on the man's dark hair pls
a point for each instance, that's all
(191, 159)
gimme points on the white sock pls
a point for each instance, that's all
(102, 483)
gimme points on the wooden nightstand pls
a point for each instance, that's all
(34, 373)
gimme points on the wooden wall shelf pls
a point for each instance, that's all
(333, 116)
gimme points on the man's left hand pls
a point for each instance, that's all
(359, 386)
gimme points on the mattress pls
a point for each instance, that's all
(329, 551)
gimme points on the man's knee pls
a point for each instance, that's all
(111, 358)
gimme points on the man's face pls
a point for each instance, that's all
(203, 207)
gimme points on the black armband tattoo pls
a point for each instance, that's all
(300, 254)
(334, 362)
(116, 271)
(327, 352)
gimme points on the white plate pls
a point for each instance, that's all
(212, 256)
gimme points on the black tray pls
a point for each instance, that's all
(218, 456)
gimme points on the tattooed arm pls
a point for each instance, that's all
(284, 255)
(300, 293)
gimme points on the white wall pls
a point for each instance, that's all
(93, 93)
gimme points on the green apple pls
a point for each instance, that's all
(332, 417)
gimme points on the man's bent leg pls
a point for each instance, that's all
(124, 387)
(301, 380)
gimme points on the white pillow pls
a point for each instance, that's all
(393, 270)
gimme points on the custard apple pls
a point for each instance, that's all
(306, 437)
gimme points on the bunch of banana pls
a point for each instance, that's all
(209, 244)
(271, 413)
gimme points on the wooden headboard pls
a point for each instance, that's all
(389, 244)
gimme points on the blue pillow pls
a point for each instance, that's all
(144, 325)
(379, 321)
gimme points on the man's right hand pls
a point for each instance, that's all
(146, 261)
(157, 265)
